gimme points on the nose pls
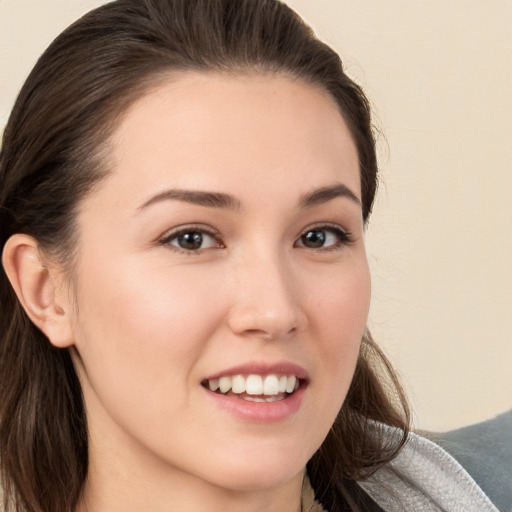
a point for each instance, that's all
(266, 299)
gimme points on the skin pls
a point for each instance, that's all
(152, 320)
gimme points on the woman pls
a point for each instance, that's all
(185, 189)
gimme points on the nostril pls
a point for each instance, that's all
(266, 323)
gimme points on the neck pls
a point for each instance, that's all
(170, 494)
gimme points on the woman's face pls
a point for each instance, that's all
(226, 249)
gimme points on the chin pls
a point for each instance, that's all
(259, 471)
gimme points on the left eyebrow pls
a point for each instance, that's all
(325, 194)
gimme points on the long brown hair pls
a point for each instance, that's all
(54, 152)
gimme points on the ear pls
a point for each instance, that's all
(39, 288)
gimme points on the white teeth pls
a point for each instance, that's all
(249, 398)
(225, 384)
(290, 385)
(274, 398)
(271, 385)
(238, 385)
(255, 385)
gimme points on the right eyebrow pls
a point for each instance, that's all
(199, 197)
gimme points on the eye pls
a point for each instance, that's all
(191, 239)
(324, 237)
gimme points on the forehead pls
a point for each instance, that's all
(226, 132)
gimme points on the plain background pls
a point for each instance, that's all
(439, 75)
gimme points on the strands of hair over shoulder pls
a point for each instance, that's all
(54, 152)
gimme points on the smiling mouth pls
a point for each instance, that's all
(255, 388)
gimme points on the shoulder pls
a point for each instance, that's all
(485, 452)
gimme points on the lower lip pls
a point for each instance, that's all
(259, 412)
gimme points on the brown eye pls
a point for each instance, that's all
(191, 240)
(314, 238)
(324, 237)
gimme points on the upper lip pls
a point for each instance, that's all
(254, 368)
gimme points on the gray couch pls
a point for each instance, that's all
(485, 451)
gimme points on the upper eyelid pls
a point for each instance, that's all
(172, 233)
(326, 225)
(187, 228)
(345, 236)
(166, 239)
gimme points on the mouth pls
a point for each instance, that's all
(255, 387)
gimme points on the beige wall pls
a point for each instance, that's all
(440, 76)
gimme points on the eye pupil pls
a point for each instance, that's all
(191, 240)
(314, 238)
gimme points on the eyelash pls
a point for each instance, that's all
(343, 236)
(202, 230)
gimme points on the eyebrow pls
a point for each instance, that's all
(221, 200)
(325, 194)
(210, 199)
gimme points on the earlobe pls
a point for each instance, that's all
(38, 288)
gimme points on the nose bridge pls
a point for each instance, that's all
(266, 300)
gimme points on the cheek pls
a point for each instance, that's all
(339, 318)
(139, 329)
(337, 305)
(340, 308)
(145, 304)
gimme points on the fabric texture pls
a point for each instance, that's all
(424, 477)
(308, 498)
(485, 452)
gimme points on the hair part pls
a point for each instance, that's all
(55, 151)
